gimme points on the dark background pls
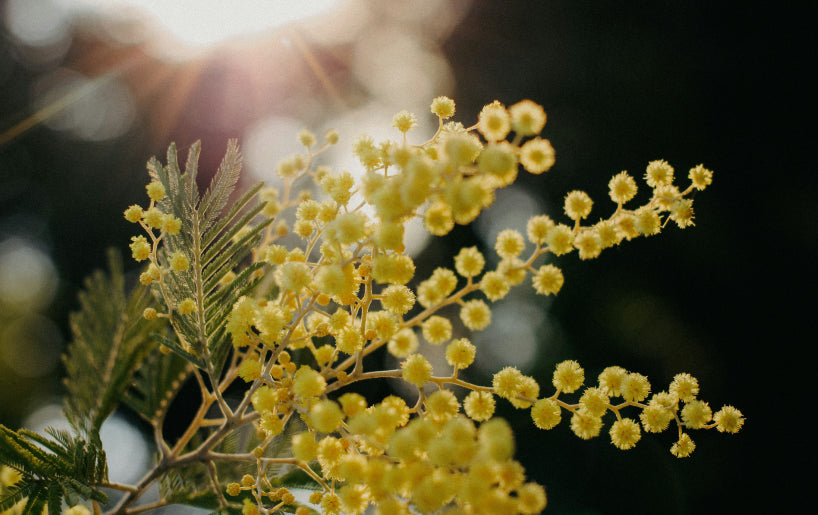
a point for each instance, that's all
(726, 84)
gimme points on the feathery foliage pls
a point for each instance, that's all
(111, 339)
(53, 470)
(214, 245)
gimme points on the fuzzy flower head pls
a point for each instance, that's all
(494, 122)
(577, 205)
(537, 156)
(625, 433)
(701, 177)
(622, 187)
(568, 376)
(527, 118)
(546, 413)
(443, 107)
(404, 121)
(479, 406)
(728, 420)
(658, 173)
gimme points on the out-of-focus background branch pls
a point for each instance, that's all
(90, 89)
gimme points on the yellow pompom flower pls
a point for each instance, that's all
(635, 387)
(326, 416)
(528, 388)
(701, 177)
(496, 439)
(140, 248)
(475, 315)
(293, 276)
(403, 343)
(389, 236)
(304, 446)
(398, 299)
(611, 379)
(331, 136)
(494, 122)
(585, 425)
(171, 224)
(479, 406)
(509, 244)
(469, 262)
(271, 423)
(696, 414)
(577, 205)
(728, 420)
(531, 499)
(683, 447)
(546, 413)
(527, 118)
(658, 173)
(685, 387)
(154, 218)
(499, 160)
(441, 406)
(460, 353)
(655, 417)
(589, 244)
(537, 228)
(250, 370)
(436, 330)
(306, 138)
(179, 262)
(625, 433)
(352, 403)
(346, 228)
(495, 285)
(308, 383)
(443, 107)
(416, 369)
(568, 376)
(681, 212)
(133, 214)
(595, 401)
(507, 382)
(647, 222)
(548, 280)
(404, 121)
(156, 191)
(233, 489)
(349, 340)
(622, 187)
(537, 156)
(438, 219)
(79, 509)
(560, 240)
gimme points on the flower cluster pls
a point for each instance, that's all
(350, 289)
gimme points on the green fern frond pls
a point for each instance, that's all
(52, 469)
(215, 244)
(111, 339)
(155, 385)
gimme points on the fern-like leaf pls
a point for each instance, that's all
(155, 385)
(54, 469)
(111, 338)
(214, 243)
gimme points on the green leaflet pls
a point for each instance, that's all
(111, 338)
(63, 467)
(215, 244)
(155, 385)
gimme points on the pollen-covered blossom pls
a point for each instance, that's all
(140, 248)
(622, 187)
(548, 280)
(460, 353)
(404, 121)
(683, 447)
(527, 118)
(728, 420)
(133, 214)
(537, 156)
(155, 190)
(658, 173)
(416, 369)
(546, 413)
(568, 376)
(577, 205)
(443, 107)
(625, 433)
(479, 406)
(494, 122)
